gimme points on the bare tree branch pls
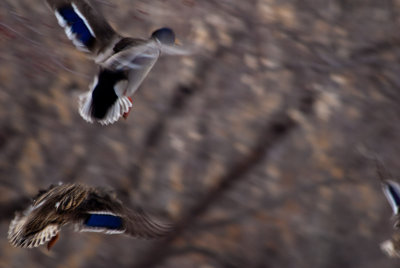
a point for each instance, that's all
(277, 129)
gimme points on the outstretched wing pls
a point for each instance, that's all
(138, 60)
(86, 27)
(141, 225)
(100, 212)
(104, 213)
(136, 224)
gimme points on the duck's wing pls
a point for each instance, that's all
(140, 224)
(137, 60)
(128, 51)
(141, 66)
(103, 213)
(392, 193)
(29, 230)
(85, 26)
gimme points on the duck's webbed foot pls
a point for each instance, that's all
(125, 115)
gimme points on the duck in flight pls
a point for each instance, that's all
(124, 61)
(88, 209)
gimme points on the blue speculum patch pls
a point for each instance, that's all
(77, 25)
(104, 221)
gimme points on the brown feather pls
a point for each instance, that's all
(75, 203)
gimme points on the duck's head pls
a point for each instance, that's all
(164, 35)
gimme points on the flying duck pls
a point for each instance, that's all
(88, 209)
(124, 61)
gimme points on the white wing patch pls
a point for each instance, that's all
(104, 213)
(68, 31)
(38, 205)
(120, 87)
(388, 248)
(60, 19)
(100, 230)
(84, 19)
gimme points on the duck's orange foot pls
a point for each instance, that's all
(125, 115)
(52, 242)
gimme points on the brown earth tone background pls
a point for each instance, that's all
(258, 145)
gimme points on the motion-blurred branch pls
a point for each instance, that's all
(301, 190)
(211, 254)
(322, 58)
(279, 127)
(379, 47)
(178, 102)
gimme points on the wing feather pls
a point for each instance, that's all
(392, 193)
(141, 225)
(19, 238)
(84, 25)
(134, 223)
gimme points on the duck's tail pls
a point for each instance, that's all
(106, 102)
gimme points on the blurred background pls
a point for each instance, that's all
(259, 144)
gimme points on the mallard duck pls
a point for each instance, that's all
(88, 209)
(124, 61)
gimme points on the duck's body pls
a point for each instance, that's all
(88, 209)
(124, 62)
